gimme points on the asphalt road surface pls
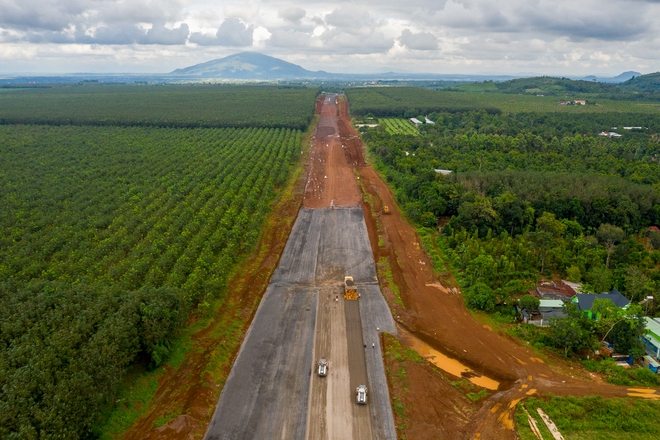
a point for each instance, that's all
(273, 391)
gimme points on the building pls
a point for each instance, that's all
(553, 291)
(609, 134)
(585, 302)
(651, 339)
(443, 172)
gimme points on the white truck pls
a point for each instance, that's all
(322, 367)
(361, 394)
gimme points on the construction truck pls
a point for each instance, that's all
(350, 290)
(386, 209)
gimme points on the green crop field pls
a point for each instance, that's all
(111, 235)
(161, 106)
(399, 126)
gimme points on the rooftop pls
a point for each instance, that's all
(586, 301)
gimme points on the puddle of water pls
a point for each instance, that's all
(641, 390)
(445, 363)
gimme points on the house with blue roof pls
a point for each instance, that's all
(585, 301)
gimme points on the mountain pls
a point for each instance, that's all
(644, 83)
(248, 65)
(625, 76)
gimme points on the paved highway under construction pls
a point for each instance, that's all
(273, 390)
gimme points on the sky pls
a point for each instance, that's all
(518, 37)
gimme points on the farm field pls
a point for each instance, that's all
(182, 106)
(112, 235)
(399, 126)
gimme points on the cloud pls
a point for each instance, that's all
(418, 41)
(293, 15)
(159, 34)
(233, 32)
(289, 39)
(350, 19)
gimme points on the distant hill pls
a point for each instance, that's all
(649, 83)
(625, 76)
(248, 65)
(549, 86)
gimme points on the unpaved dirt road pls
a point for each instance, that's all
(273, 391)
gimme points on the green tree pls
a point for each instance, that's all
(574, 274)
(480, 297)
(609, 236)
(549, 233)
(599, 279)
(529, 303)
(636, 284)
(567, 334)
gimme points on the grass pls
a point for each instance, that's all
(397, 377)
(592, 417)
(385, 272)
(427, 237)
(626, 377)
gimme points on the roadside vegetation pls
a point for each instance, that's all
(117, 236)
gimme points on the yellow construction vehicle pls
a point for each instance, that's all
(350, 291)
(386, 209)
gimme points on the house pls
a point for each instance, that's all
(651, 339)
(580, 102)
(609, 134)
(585, 302)
(428, 121)
(443, 172)
(553, 290)
(551, 309)
(548, 309)
(416, 121)
(653, 229)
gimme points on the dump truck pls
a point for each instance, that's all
(350, 290)
(322, 367)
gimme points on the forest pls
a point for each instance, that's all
(112, 235)
(531, 196)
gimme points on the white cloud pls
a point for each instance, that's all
(544, 36)
(418, 41)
